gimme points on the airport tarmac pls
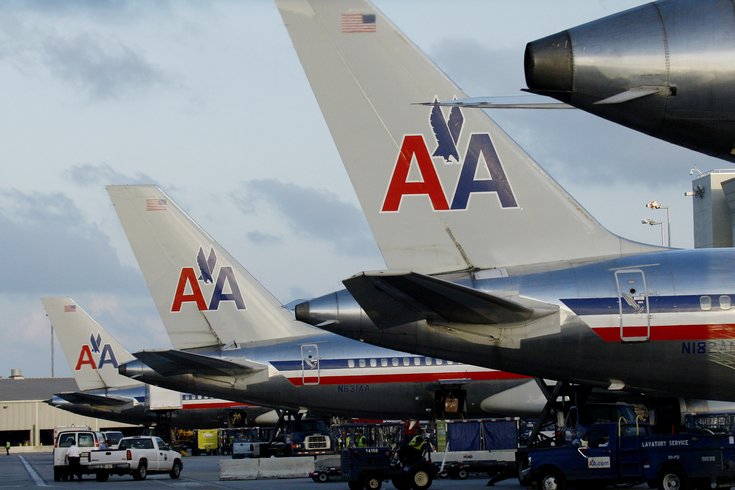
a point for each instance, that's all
(36, 469)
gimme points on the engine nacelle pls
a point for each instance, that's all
(665, 69)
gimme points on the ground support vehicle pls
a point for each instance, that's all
(137, 456)
(207, 442)
(369, 467)
(628, 454)
(326, 468)
(87, 440)
(499, 465)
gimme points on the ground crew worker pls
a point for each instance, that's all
(418, 442)
(7, 448)
(73, 455)
(360, 440)
(342, 441)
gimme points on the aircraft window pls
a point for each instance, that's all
(373, 363)
(351, 363)
(406, 361)
(705, 303)
(384, 362)
(362, 362)
(394, 362)
(724, 302)
(428, 361)
(439, 362)
(416, 361)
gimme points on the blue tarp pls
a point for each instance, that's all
(500, 434)
(464, 436)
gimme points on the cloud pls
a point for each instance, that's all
(306, 210)
(103, 68)
(259, 238)
(49, 247)
(86, 174)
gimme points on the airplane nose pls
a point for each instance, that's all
(548, 63)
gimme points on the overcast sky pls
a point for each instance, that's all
(208, 100)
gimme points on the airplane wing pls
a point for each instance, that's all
(503, 102)
(396, 298)
(91, 399)
(173, 362)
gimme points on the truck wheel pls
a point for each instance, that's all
(102, 476)
(672, 479)
(462, 474)
(175, 470)
(322, 477)
(142, 471)
(420, 479)
(372, 482)
(551, 480)
(57, 474)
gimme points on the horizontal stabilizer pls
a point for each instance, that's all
(392, 299)
(635, 93)
(174, 362)
(99, 400)
(503, 102)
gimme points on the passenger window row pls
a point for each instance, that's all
(395, 362)
(705, 302)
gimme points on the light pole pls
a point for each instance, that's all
(651, 222)
(656, 205)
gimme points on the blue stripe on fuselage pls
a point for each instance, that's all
(656, 304)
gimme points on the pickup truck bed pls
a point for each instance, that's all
(137, 456)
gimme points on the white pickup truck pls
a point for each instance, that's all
(137, 456)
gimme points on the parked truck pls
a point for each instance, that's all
(137, 456)
(625, 453)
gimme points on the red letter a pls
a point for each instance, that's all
(414, 146)
(188, 277)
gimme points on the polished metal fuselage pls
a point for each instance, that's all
(659, 323)
(683, 49)
(346, 383)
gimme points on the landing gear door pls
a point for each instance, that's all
(310, 364)
(635, 318)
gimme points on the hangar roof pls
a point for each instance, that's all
(34, 388)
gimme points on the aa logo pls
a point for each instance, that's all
(191, 287)
(96, 349)
(480, 155)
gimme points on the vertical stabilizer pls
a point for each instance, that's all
(92, 353)
(204, 296)
(442, 189)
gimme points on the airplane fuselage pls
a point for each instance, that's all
(333, 375)
(659, 323)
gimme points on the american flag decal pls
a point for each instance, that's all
(358, 23)
(156, 204)
(70, 308)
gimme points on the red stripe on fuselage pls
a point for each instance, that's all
(670, 332)
(405, 378)
(223, 404)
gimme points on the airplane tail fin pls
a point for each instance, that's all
(204, 296)
(443, 189)
(92, 353)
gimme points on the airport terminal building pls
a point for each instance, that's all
(27, 420)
